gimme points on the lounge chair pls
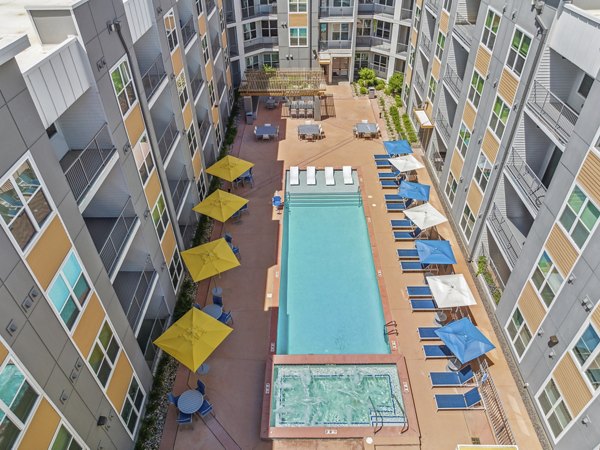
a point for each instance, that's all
(395, 198)
(226, 318)
(205, 408)
(381, 157)
(401, 223)
(428, 333)
(433, 351)
(413, 266)
(389, 184)
(200, 387)
(468, 400)
(382, 164)
(311, 175)
(423, 305)
(452, 379)
(329, 180)
(418, 291)
(172, 398)
(347, 172)
(407, 235)
(294, 176)
(407, 253)
(396, 206)
(389, 175)
(184, 418)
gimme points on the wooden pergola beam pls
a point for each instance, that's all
(283, 82)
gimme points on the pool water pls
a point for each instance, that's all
(329, 300)
(336, 395)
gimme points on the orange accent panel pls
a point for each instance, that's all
(297, 20)
(202, 24)
(197, 165)
(89, 324)
(571, 384)
(456, 164)
(508, 86)
(228, 77)
(435, 68)
(429, 110)
(596, 317)
(42, 428)
(49, 252)
(3, 352)
(419, 3)
(224, 39)
(563, 253)
(119, 382)
(177, 60)
(152, 189)
(187, 115)
(532, 307)
(219, 4)
(589, 175)
(408, 74)
(482, 60)
(474, 198)
(134, 124)
(168, 243)
(215, 115)
(209, 72)
(469, 116)
(444, 19)
(490, 146)
(413, 38)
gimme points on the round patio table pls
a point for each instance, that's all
(213, 310)
(190, 401)
(454, 364)
(440, 317)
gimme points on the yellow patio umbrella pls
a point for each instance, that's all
(220, 205)
(207, 260)
(193, 338)
(229, 168)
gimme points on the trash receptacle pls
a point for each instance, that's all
(371, 92)
(249, 118)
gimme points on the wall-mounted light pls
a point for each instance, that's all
(146, 213)
(159, 10)
(587, 304)
(571, 279)
(101, 64)
(586, 420)
(552, 354)
(12, 327)
(126, 148)
(102, 420)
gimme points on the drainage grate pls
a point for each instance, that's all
(475, 441)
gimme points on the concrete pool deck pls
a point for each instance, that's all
(235, 383)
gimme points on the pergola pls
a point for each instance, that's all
(283, 83)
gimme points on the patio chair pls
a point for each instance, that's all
(401, 224)
(200, 387)
(393, 175)
(435, 351)
(397, 206)
(418, 291)
(428, 333)
(277, 203)
(226, 318)
(468, 400)
(383, 163)
(235, 250)
(413, 266)
(172, 398)
(248, 178)
(205, 408)
(354, 131)
(184, 418)
(329, 179)
(266, 137)
(311, 175)
(389, 184)
(381, 157)
(407, 254)
(407, 235)
(452, 379)
(347, 172)
(294, 176)
(423, 305)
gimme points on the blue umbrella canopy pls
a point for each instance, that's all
(435, 252)
(464, 340)
(394, 148)
(416, 191)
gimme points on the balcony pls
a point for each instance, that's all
(167, 139)
(233, 50)
(210, 5)
(464, 29)
(443, 127)
(133, 291)
(435, 5)
(374, 42)
(526, 180)
(204, 126)
(453, 81)
(551, 110)
(221, 85)
(406, 14)
(259, 10)
(215, 46)
(260, 43)
(82, 167)
(326, 10)
(426, 44)
(375, 8)
(152, 78)
(188, 31)
(420, 84)
(230, 16)
(437, 159)
(197, 83)
(505, 237)
(334, 45)
(153, 325)
(111, 234)
(402, 49)
(178, 188)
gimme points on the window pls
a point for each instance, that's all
(23, 204)
(142, 153)
(483, 171)
(383, 30)
(546, 278)
(297, 5)
(432, 88)
(579, 216)
(417, 18)
(182, 89)
(132, 406)
(160, 217)
(587, 352)
(269, 28)
(451, 187)
(585, 85)
(467, 222)
(499, 117)
(517, 54)
(411, 56)
(464, 138)
(298, 37)
(221, 20)
(104, 355)
(249, 31)
(363, 27)
(218, 135)
(439, 48)
(490, 29)
(198, 6)
(123, 85)
(476, 89)
(341, 3)
(202, 188)
(171, 30)
(339, 32)
(176, 269)
(191, 139)
(271, 59)
(361, 60)
(380, 62)
(519, 332)
(211, 92)
(17, 400)
(205, 54)
(447, 5)
(252, 62)
(554, 408)
(69, 291)
(64, 440)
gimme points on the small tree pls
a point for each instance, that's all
(367, 75)
(395, 82)
(268, 69)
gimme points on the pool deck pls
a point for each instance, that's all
(236, 381)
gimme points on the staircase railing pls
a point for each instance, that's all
(378, 418)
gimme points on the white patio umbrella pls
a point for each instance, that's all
(450, 291)
(406, 163)
(425, 216)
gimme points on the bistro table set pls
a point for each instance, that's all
(366, 130)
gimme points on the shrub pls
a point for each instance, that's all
(398, 100)
(410, 131)
(367, 76)
(395, 82)
(380, 85)
(363, 90)
(387, 90)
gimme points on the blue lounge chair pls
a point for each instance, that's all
(381, 157)
(184, 418)
(418, 291)
(172, 398)
(382, 164)
(405, 254)
(393, 207)
(433, 351)
(407, 235)
(395, 198)
(428, 333)
(402, 223)
(389, 184)
(388, 175)
(200, 387)
(226, 318)
(413, 266)
(468, 400)
(235, 250)
(205, 408)
(423, 305)
(452, 379)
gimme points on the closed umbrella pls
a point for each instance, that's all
(425, 216)
(450, 291)
(208, 260)
(416, 191)
(464, 340)
(229, 168)
(406, 163)
(435, 252)
(220, 205)
(395, 148)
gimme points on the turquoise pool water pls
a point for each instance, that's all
(329, 299)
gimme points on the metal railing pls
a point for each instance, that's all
(215, 45)
(506, 239)
(230, 16)
(140, 296)
(373, 41)
(204, 126)
(178, 191)
(210, 5)
(437, 160)
(526, 179)
(259, 43)
(436, 5)
(259, 10)
(220, 85)
(374, 7)
(333, 45)
(326, 10)
(464, 28)
(420, 84)
(443, 126)
(167, 138)
(146, 339)
(233, 49)
(85, 168)
(453, 80)
(560, 118)
(152, 78)
(117, 237)
(406, 14)
(187, 31)
(197, 83)
(426, 43)
(401, 49)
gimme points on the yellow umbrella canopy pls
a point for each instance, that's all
(193, 338)
(220, 205)
(207, 260)
(229, 168)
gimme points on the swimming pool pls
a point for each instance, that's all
(329, 300)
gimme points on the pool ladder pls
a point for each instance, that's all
(391, 328)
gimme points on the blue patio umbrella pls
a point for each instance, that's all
(435, 252)
(464, 340)
(416, 191)
(395, 148)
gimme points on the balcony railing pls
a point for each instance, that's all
(374, 42)
(437, 160)
(221, 85)
(178, 188)
(506, 239)
(82, 167)
(453, 81)
(187, 31)
(258, 10)
(559, 117)
(375, 8)
(334, 45)
(117, 237)
(167, 139)
(326, 10)
(464, 29)
(197, 83)
(133, 290)
(406, 14)
(526, 180)
(233, 49)
(152, 78)
(259, 43)
(435, 5)
(426, 43)
(230, 16)
(215, 46)
(204, 126)
(420, 84)
(443, 126)
(151, 329)
(210, 5)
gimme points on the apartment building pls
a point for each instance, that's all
(505, 96)
(109, 112)
(340, 36)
